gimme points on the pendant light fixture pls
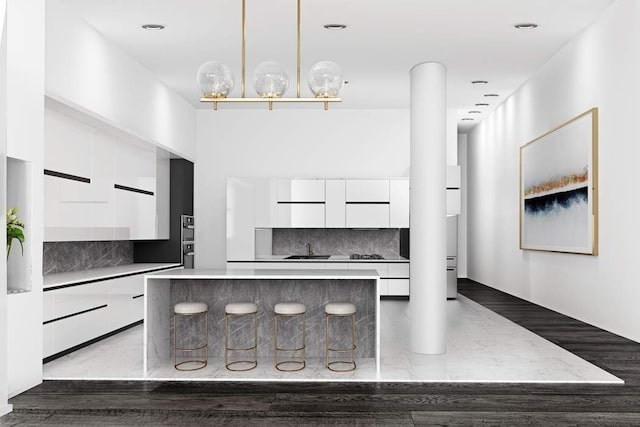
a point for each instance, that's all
(270, 79)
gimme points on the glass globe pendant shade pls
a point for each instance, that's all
(270, 80)
(215, 80)
(325, 79)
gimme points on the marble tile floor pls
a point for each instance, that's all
(481, 347)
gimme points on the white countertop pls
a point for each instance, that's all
(72, 277)
(332, 258)
(264, 274)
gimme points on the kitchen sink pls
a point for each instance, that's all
(308, 257)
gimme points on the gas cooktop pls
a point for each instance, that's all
(366, 256)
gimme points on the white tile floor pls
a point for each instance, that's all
(481, 347)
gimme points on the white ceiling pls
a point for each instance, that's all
(474, 39)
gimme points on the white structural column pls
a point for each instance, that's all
(427, 307)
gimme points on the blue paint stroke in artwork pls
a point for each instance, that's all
(549, 202)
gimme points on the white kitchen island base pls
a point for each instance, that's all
(314, 288)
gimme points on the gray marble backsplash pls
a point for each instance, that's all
(60, 257)
(327, 241)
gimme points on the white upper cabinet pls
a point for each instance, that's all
(399, 203)
(67, 147)
(367, 203)
(301, 190)
(335, 212)
(301, 203)
(265, 203)
(300, 215)
(367, 215)
(135, 190)
(367, 190)
(99, 186)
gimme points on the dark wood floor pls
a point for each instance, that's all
(86, 403)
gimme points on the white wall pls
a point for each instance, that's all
(600, 68)
(4, 407)
(281, 143)
(89, 73)
(25, 135)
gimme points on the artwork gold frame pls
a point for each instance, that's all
(559, 188)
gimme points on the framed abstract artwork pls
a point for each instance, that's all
(559, 188)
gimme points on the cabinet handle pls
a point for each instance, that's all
(451, 269)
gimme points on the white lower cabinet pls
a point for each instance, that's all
(398, 279)
(394, 276)
(398, 287)
(77, 314)
(75, 330)
(240, 265)
(125, 301)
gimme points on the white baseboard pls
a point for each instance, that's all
(5, 409)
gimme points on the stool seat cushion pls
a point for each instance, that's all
(190, 308)
(241, 308)
(340, 308)
(289, 308)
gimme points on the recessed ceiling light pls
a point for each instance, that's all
(335, 26)
(482, 105)
(153, 27)
(475, 112)
(491, 94)
(526, 26)
(467, 118)
(479, 82)
(346, 82)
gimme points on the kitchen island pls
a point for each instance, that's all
(216, 288)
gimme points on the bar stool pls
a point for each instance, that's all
(190, 309)
(289, 309)
(237, 310)
(340, 309)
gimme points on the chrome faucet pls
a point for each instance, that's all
(309, 250)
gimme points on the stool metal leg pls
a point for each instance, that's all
(231, 366)
(205, 347)
(331, 365)
(300, 364)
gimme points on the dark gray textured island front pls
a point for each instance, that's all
(266, 288)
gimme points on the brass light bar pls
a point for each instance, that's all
(270, 101)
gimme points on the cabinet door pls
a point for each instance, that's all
(367, 215)
(75, 299)
(300, 215)
(367, 190)
(125, 301)
(301, 190)
(399, 203)
(240, 265)
(265, 203)
(103, 211)
(398, 287)
(399, 270)
(137, 213)
(78, 329)
(67, 146)
(335, 203)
